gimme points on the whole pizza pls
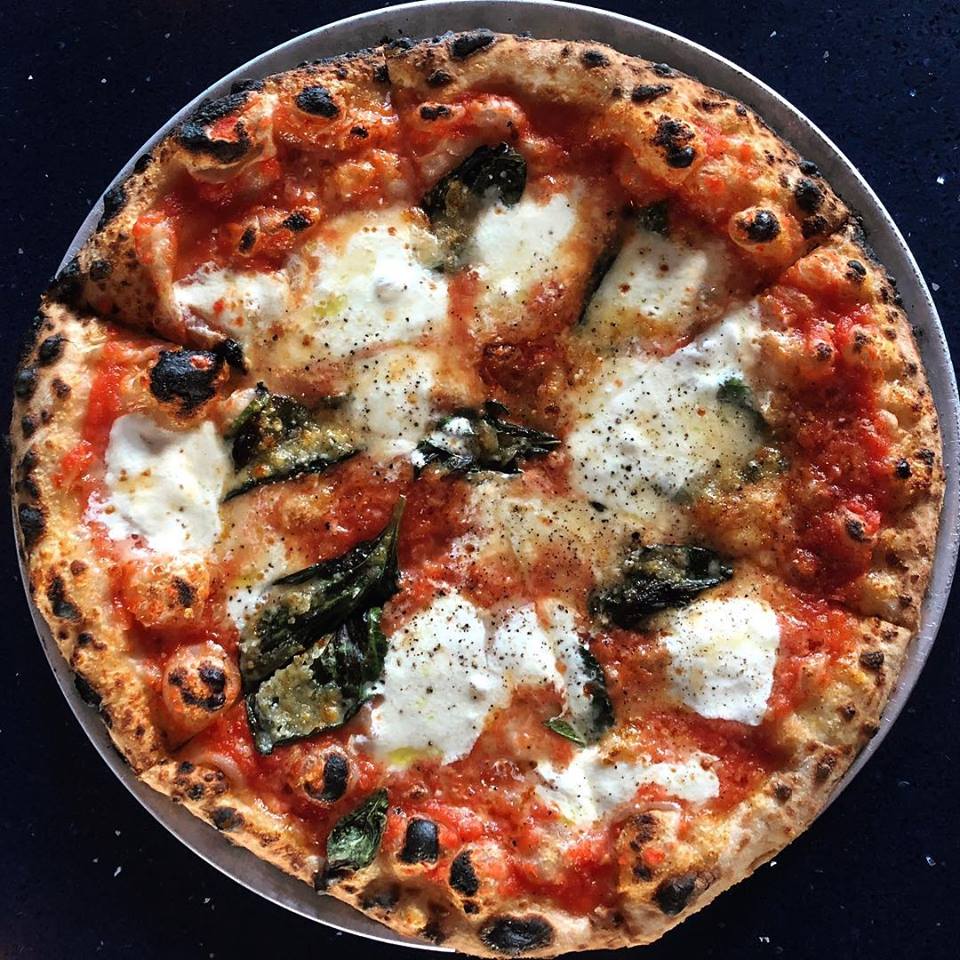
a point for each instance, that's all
(489, 478)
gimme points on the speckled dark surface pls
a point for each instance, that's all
(83, 870)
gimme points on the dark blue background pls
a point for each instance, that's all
(84, 871)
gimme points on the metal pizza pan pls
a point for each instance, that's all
(547, 19)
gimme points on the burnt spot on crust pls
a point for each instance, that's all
(808, 195)
(813, 226)
(143, 161)
(226, 818)
(422, 842)
(648, 92)
(205, 688)
(60, 387)
(232, 352)
(927, 457)
(246, 85)
(84, 639)
(28, 425)
(466, 44)
(515, 935)
(33, 524)
(823, 769)
(592, 59)
(186, 594)
(809, 168)
(379, 897)
(62, 606)
(856, 530)
(193, 136)
(381, 73)
(25, 382)
(674, 893)
(433, 111)
(317, 101)
(186, 376)
(439, 78)
(674, 137)
(871, 660)
(782, 791)
(463, 878)
(758, 226)
(87, 693)
(113, 202)
(297, 221)
(100, 269)
(663, 70)
(31, 335)
(433, 931)
(902, 470)
(336, 771)
(51, 349)
(857, 272)
(66, 285)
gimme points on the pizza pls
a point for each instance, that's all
(491, 479)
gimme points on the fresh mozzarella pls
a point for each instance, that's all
(568, 646)
(390, 400)
(591, 787)
(246, 591)
(370, 288)
(515, 247)
(650, 430)
(164, 486)
(722, 656)
(452, 665)
(237, 303)
(656, 284)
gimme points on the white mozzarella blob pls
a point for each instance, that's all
(164, 486)
(237, 303)
(578, 705)
(390, 406)
(590, 787)
(371, 289)
(722, 656)
(515, 247)
(656, 284)
(247, 590)
(650, 430)
(451, 666)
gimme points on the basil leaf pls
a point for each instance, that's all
(655, 218)
(657, 578)
(601, 267)
(564, 729)
(735, 392)
(276, 438)
(321, 688)
(305, 605)
(454, 203)
(355, 838)
(472, 441)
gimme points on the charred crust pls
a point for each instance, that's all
(361, 132)
(113, 202)
(226, 818)
(142, 162)
(926, 456)
(232, 353)
(439, 78)
(195, 791)
(60, 387)
(648, 92)
(856, 272)
(246, 85)
(185, 376)
(809, 168)
(814, 226)
(317, 101)
(400, 43)
(381, 73)
(28, 425)
(186, 595)
(209, 693)
(674, 893)
(515, 935)
(856, 530)
(759, 226)
(377, 897)
(62, 606)
(824, 767)
(297, 221)
(100, 269)
(808, 195)
(782, 791)
(592, 59)
(463, 878)
(871, 660)
(87, 693)
(422, 842)
(247, 239)
(466, 44)
(902, 469)
(185, 767)
(30, 336)
(84, 639)
(336, 772)
(51, 349)
(663, 70)
(433, 931)
(433, 111)
(674, 137)
(33, 524)
(192, 134)
(66, 285)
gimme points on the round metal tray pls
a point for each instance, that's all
(568, 21)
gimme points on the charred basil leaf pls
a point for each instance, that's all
(321, 688)
(454, 203)
(276, 438)
(471, 441)
(305, 605)
(657, 578)
(589, 726)
(601, 267)
(355, 838)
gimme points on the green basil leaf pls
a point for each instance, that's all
(321, 688)
(472, 441)
(589, 726)
(354, 841)
(276, 438)
(736, 393)
(564, 729)
(454, 203)
(303, 606)
(657, 578)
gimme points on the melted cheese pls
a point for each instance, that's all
(722, 656)
(656, 284)
(164, 486)
(592, 787)
(652, 429)
(390, 405)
